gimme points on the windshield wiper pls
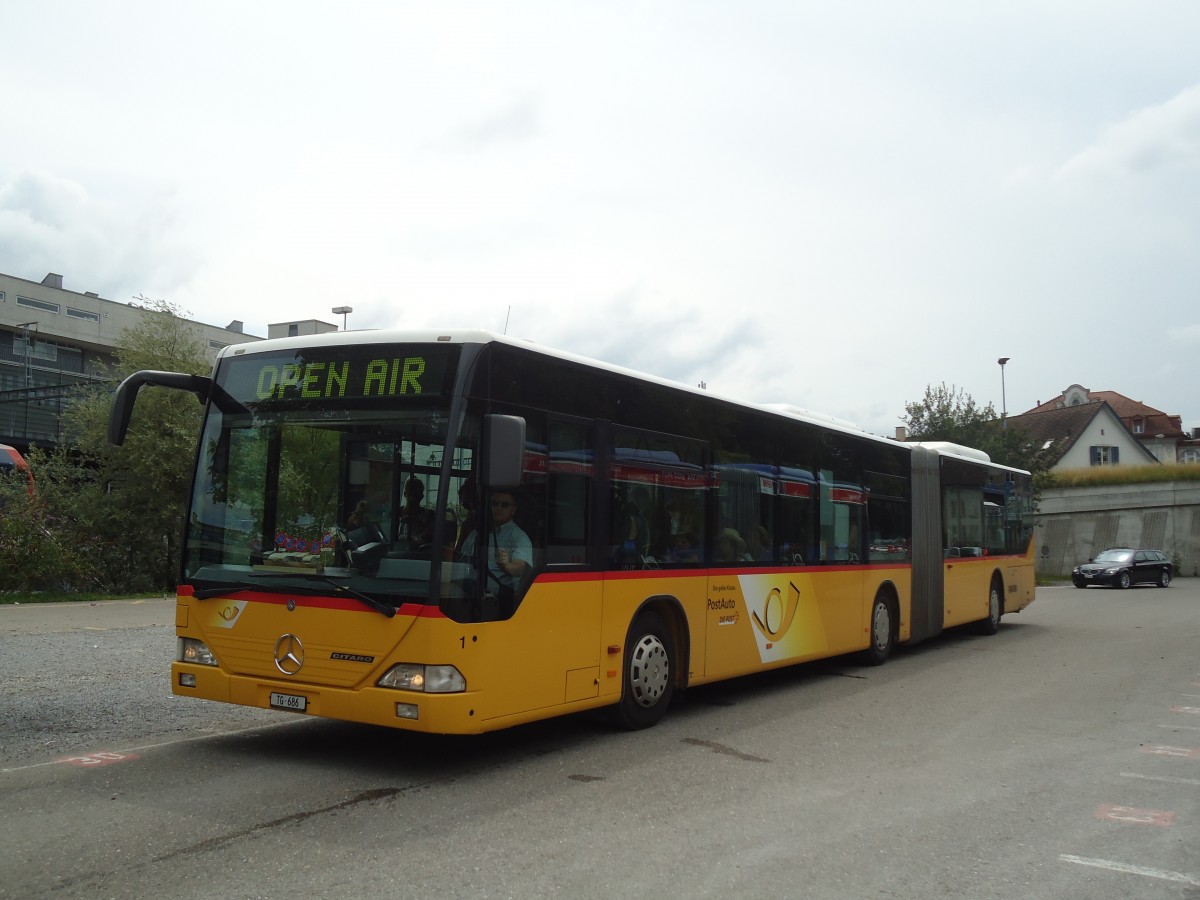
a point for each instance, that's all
(234, 587)
(223, 590)
(366, 600)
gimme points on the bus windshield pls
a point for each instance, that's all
(327, 469)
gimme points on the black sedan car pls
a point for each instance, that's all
(1121, 567)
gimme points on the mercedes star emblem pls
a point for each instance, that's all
(289, 654)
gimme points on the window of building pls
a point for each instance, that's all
(293, 330)
(1190, 455)
(82, 314)
(1139, 426)
(216, 345)
(1105, 456)
(1, 296)
(38, 304)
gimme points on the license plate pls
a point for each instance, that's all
(289, 701)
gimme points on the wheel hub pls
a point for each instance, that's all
(882, 632)
(649, 670)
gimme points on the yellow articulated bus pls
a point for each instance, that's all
(457, 532)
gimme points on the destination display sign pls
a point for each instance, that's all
(335, 375)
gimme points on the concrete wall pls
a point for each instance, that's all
(1074, 524)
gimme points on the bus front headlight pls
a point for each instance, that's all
(427, 679)
(194, 651)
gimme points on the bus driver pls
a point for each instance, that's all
(510, 552)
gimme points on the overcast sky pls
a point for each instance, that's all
(831, 205)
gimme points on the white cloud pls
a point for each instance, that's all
(1188, 335)
(803, 203)
(1156, 139)
(53, 224)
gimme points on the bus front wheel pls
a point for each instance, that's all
(882, 632)
(649, 672)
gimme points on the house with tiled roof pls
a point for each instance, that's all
(1159, 434)
(1082, 435)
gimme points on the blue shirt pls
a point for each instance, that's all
(510, 537)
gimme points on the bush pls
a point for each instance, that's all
(36, 553)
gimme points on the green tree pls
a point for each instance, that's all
(119, 510)
(951, 414)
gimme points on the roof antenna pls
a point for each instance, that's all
(506, 318)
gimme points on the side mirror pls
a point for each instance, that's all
(504, 451)
(127, 391)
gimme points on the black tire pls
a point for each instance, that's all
(1164, 578)
(991, 624)
(1123, 581)
(1079, 584)
(649, 680)
(883, 632)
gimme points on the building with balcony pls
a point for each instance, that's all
(54, 340)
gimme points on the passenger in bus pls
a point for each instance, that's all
(682, 549)
(760, 548)
(731, 547)
(416, 522)
(358, 518)
(466, 499)
(510, 552)
(678, 519)
(633, 539)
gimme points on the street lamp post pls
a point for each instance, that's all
(343, 311)
(1003, 400)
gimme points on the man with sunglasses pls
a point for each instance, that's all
(510, 552)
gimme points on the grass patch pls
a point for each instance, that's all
(1104, 476)
(15, 598)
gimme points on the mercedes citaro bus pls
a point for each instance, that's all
(457, 532)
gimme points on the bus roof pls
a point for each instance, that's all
(958, 451)
(481, 336)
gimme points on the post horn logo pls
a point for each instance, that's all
(289, 654)
(777, 614)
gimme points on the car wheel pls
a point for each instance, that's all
(1164, 578)
(1079, 584)
(1123, 580)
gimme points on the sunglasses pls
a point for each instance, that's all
(502, 504)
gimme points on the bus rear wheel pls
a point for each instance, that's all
(991, 624)
(649, 672)
(882, 632)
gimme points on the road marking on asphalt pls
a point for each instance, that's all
(1166, 778)
(1162, 874)
(129, 750)
(1181, 727)
(1132, 815)
(99, 758)
(1190, 710)
(1177, 752)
